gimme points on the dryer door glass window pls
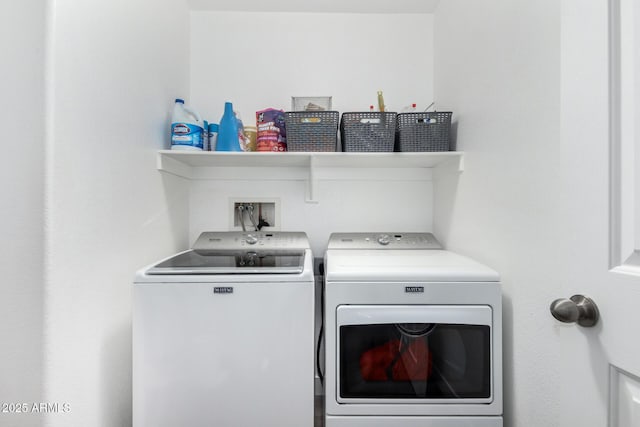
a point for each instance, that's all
(414, 360)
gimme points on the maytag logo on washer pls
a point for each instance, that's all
(223, 290)
(414, 289)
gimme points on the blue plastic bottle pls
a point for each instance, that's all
(205, 138)
(228, 131)
(213, 136)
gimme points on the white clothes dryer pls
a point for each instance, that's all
(413, 334)
(223, 334)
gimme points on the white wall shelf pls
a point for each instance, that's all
(210, 164)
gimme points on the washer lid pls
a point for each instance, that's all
(231, 262)
(400, 265)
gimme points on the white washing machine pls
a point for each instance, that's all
(413, 334)
(223, 334)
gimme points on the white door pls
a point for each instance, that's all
(600, 366)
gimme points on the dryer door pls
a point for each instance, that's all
(414, 354)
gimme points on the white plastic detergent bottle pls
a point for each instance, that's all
(187, 132)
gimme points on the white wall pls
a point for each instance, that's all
(371, 200)
(260, 60)
(21, 254)
(497, 65)
(114, 70)
(586, 235)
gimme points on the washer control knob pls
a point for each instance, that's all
(251, 239)
(384, 239)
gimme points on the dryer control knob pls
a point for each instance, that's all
(384, 239)
(251, 239)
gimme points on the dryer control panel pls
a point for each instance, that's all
(383, 241)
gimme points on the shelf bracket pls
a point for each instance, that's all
(312, 182)
(173, 166)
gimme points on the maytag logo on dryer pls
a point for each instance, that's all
(414, 289)
(223, 290)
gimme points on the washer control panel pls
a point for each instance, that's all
(383, 241)
(231, 240)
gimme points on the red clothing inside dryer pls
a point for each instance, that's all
(397, 361)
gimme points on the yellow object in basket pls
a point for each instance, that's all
(380, 101)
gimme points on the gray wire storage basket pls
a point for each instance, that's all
(368, 131)
(312, 130)
(424, 131)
